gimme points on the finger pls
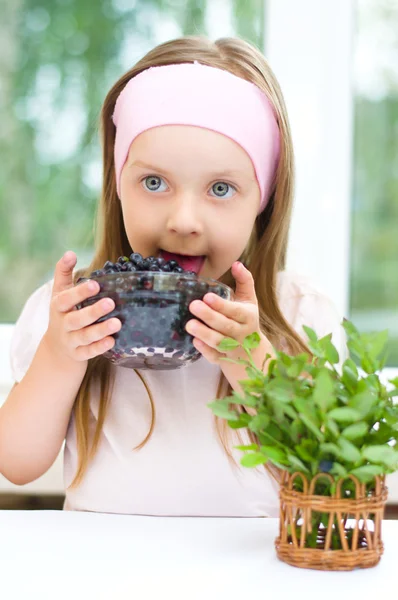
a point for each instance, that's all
(213, 356)
(244, 289)
(63, 272)
(205, 334)
(237, 311)
(95, 349)
(78, 319)
(68, 299)
(94, 333)
(214, 319)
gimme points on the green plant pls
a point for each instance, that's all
(312, 416)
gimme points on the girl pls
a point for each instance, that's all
(198, 161)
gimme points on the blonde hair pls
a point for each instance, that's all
(264, 255)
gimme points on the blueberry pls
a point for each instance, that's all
(108, 265)
(166, 267)
(145, 264)
(154, 267)
(325, 465)
(122, 259)
(178, 269)
(131, 268)
(136, 257)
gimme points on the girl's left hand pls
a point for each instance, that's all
(225, 318)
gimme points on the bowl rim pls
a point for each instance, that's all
(156, 274)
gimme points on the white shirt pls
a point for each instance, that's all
(183, 469)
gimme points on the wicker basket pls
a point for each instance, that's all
(330, 532)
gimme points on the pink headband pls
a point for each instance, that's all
(208, 97)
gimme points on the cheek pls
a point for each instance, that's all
(234, 236)
(141, 225)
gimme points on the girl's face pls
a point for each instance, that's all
(189, 191)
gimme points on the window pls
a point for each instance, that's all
(374, 244)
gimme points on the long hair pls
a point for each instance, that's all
(264, 255)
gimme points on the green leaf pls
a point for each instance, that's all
(253, 459)
(273, 453)
(220, 409)
(329, 448)
(297, 463)
(338, 469)
(350, 364)
(305, 407)
(316, 349)
(349, 378)
(367, 472)
(363, 403)
(289, 411)
(368, 365)
(243, 421)
(259, 422)
(350, 328)
(310, 333)
(377, 343)
(323, 394)
(280, 390)
(312, 427)
(348, 451)
(247, 447)
(251, 341)
(381, 454)
(295, 369)
(344, 414)
(332, 427)
(228, 344)
(306, 450)
(330, 351)
(355, 431)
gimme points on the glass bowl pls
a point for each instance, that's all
(153, 308)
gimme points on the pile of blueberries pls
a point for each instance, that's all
(150, 338)
(136, 262)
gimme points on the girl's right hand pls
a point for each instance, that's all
(71, 333)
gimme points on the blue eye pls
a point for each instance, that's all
(221, 189)
(153, 183)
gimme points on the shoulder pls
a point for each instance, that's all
(37, 306)
(303, 302)
(297, 292)
(291, 284)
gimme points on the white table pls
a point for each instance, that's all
(77, 555)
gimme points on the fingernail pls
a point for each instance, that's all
(92, 286)
(67, 257)
(210, 298)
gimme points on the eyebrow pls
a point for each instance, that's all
(223, 173)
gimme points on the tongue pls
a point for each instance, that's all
(188, 263)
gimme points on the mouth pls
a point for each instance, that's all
(187, 262)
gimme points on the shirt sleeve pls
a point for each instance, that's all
(29, 329)
(304, 304)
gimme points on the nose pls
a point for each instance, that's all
(184, 218)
